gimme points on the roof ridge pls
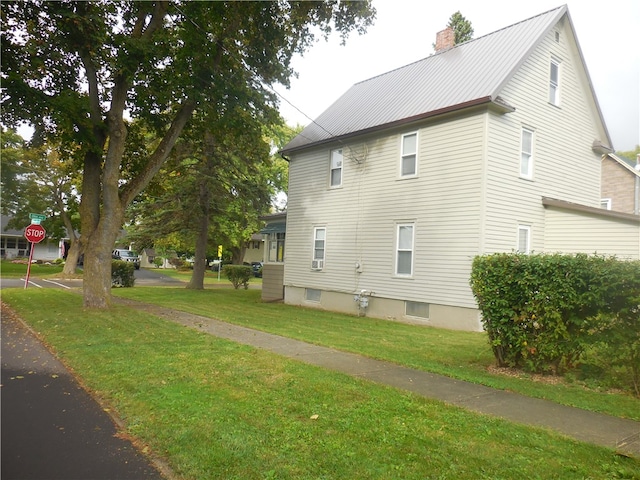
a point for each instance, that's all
(461, 44)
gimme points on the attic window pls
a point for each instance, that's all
(557, 37)
(554, 82)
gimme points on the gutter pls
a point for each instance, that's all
(496, 103)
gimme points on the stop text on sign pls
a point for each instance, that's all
(35, 233)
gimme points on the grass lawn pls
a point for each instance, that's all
(215, 409)
(18, 270)
(210, 277)
(462, 355)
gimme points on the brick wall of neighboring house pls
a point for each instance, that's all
(618, 184)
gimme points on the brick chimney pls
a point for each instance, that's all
(445, 39)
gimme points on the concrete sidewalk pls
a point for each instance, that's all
(616, 433)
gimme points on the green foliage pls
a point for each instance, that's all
(122, 273)
(542, 311)
(237, 275)
(461, 27)
(158, 261)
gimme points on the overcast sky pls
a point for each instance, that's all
(405, 30)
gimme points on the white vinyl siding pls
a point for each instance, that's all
(526, 154)
(554, 82)
(404, 250)
(335, 177)
(409, 155)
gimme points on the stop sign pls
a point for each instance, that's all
(34, 233)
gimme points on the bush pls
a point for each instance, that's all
(238, 275)
(158, 261)
(542, 311)
(122, 273)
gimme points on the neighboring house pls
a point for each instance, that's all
(483, 147)
(274, 234)
(620, 184)
(14, 245)
(254, 249)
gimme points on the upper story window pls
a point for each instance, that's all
(335, 179)
(524, 239)
(526, 154)
(404, 250)
(554, 82)
(319, 245)
(605, 203)
(409, 155)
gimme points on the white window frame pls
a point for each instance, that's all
(526, 155)
(317, 262)
(526, 230)
(554, 83)
(605, 203)
(405, 155)
(403, 249)
(337, 162)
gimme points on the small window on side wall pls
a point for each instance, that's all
(409, 155)
(319, 245)
(335, 179)
(404, 250)
(526, 154)
(524, 239)
(554, 82)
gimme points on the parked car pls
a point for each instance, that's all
(256, 267)
(126, 256)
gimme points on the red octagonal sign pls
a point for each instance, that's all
(35, 233)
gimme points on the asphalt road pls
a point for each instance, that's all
(144, 277)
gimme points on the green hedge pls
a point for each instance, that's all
(122, 273)
(237, 275)
(542, 311)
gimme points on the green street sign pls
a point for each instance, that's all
(36, 218)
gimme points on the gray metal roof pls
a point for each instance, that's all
(470, 73)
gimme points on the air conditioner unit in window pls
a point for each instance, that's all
(317, 264)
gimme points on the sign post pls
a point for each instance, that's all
(219, 260)
(34, 233)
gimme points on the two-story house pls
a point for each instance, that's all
(405, 178)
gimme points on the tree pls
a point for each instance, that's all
(631, 154)
(76, 70)
(40, 179)
(461, 27)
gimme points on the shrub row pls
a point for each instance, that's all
(237, 275)
(542, 311)
(122, 273)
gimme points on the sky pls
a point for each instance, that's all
(405, 30)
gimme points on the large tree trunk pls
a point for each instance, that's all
(204, 200)
(70, 264)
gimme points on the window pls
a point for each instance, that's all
(416, 309)
(319, 241)
(312, 295)
(336, 168)
(605, 203)
(276, 247)
(526, 154)
(554, 82)
(409, 155)
(524, 236)
(404, 256)
(11, 242)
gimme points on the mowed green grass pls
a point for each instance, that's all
(215, 409)
(18, 270)
(462, 355)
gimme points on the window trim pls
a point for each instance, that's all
(400, 225)
(531, 157)
(332, 168)
(554, 84)
(322, 260)
(605, 203)
(527, 229)
(403, 155)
